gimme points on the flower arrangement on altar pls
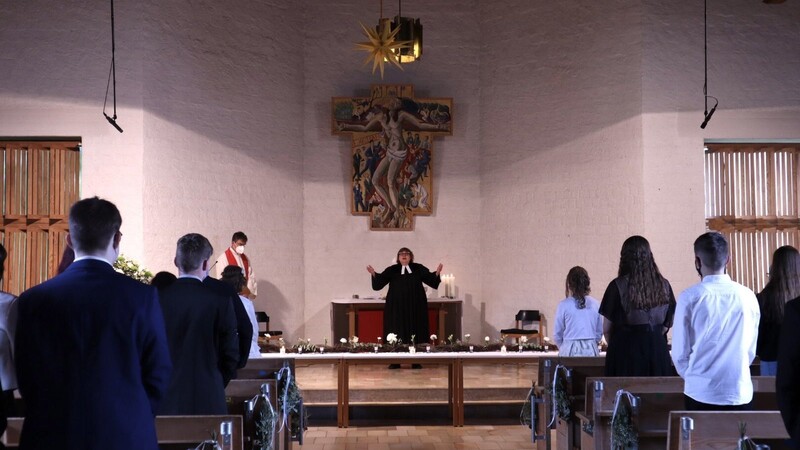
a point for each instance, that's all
(131, 268)
(393, 344)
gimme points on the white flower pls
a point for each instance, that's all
(487, 339)
(523, 339)
(267, 336)
(434, 337)
(546, 339)
(391, 338)
(467, 336)
(355, 339)
(343, 340)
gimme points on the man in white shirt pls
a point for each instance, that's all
(715, 333)
(234, 256)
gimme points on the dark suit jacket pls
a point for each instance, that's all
(787, 381)
(92, 360)
(243, 326)
(201, 332)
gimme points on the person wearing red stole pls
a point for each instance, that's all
(234, 256)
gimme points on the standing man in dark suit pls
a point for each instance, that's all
(91, 350)
(786, 381)
(201, 331)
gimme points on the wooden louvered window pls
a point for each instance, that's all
(752, 198)
(40, 183)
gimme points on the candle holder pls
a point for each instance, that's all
(503, 349)
(412, 349)
(375, 348)
(322, 349)
(428, 348)
(471, 348)
(283, 349)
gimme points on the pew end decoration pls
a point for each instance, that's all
(530, 415)
(131, 268)
(558, 391)
(623, 430)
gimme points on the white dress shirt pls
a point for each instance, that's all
(573, 323)
(255, 350)
(714, 340)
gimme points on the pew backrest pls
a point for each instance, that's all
(720, 429)
(169, 430)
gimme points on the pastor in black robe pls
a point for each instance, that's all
(406, 311)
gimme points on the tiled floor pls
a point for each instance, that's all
(417, 437)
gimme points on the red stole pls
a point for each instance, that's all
(229, 254)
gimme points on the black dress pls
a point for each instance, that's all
(769, 331)
(638, 344)
(406, 312)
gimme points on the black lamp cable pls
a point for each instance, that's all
(706, 114)
(112, 75)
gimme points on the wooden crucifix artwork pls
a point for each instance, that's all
(392, 152)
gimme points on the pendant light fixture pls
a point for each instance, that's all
(411, 32)
(706, 113)
(112, 75)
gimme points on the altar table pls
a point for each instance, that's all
(455, 363)
(364, 318)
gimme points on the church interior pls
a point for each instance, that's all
(574, 126)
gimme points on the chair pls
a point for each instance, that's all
(262, 317)
(523, 317)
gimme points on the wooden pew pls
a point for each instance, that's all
(189, 430)
(657, 397)
(240, 391)
(720, 429)
(578, 370)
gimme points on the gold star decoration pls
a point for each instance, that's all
(381, 46)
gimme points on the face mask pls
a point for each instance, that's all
(240, 249)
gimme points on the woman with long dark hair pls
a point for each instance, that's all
(638, 307)
(783, 285)
(579, 326)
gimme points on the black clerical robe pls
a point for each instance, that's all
(406, 311)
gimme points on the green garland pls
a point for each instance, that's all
(265, 426)
(525, 416)
(289, 390)
(563, 407)
(623, 433)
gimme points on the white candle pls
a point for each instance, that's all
(283, 349)
(412, 350)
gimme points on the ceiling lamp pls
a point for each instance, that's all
(396, 41)
(410, 32)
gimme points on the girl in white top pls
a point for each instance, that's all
(235, 276)
(579, 325)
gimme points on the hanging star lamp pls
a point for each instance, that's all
(395, 41)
